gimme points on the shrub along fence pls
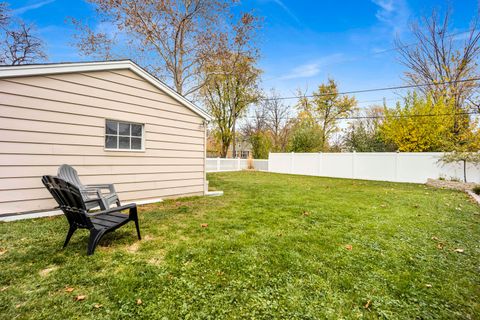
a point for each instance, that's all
(384, 166)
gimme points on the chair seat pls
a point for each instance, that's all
(109, 220)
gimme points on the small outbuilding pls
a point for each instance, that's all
(112, 121)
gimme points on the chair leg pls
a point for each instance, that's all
(138, 229)
(71, 230)
(95, 237)
(133, 214)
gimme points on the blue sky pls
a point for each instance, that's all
(303, 42)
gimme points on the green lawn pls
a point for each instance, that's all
(276, 246)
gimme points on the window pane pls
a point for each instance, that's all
(124, 143)
(111, 142)
(136, 130)
(124, 129)
(111, 127)
(137, 143)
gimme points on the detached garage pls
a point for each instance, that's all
(112, 121)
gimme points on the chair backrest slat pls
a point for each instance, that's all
(70, 200)
(69, 174)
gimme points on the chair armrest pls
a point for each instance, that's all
(129, 206)
(110, 187)
(97, 200)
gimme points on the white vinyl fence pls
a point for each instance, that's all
(397, 167)
(222, 164)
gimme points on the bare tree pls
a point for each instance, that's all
(4, 14)
(173, 34)
(18, 44)
(276, 115)
(90, 43)
(442, 59)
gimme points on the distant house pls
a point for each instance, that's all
(243, 148)
(112, 121)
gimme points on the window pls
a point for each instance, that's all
(123, 135)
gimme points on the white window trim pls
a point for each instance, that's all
(118, 135)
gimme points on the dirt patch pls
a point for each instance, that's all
(133, 248)
(454, 185)
(148, 238)
(155, 261)
(158, 259)
(45, 272)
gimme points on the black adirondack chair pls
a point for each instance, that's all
(70, 200)
(92, 193)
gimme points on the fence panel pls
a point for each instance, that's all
(388, 166)
(223, 164)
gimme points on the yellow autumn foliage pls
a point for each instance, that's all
(421, 125)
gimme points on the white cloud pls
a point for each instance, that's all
(311, 69)
(393, 13)
(31, 7)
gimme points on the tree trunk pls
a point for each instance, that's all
(465, 171)
(224, 150)
(234, 140)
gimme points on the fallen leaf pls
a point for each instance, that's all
(306, 213)
(204, 225)
(459, 250)
(440, 246)
(139, 301)
(428, 285)
(349, 247)
(98, 306)
(3, 289)
(69, 289)
(3, 251)
(434, 238)
(80, 298)
(367, 305)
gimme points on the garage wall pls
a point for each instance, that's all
(46, 121)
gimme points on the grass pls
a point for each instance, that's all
(276, 246)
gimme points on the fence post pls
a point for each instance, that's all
(292, 155)
(218, 163)
(396, 166)
(353, 163)
(319, 169)
(238, 164)
(268, 161)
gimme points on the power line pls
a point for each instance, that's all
(384, 116)
(371, 90)
(416, 43)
